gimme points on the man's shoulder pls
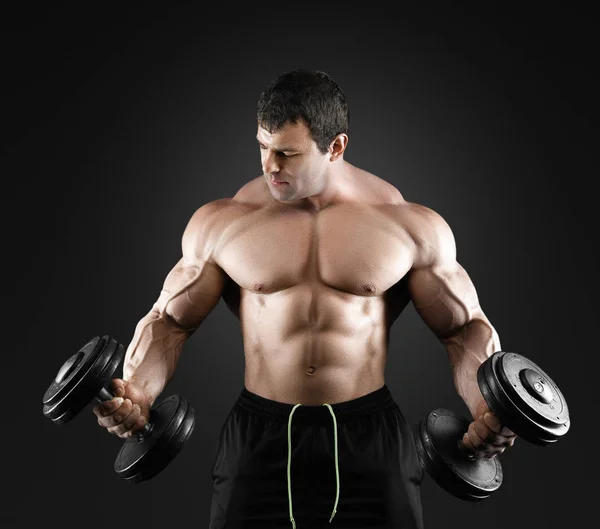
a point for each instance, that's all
(214, 216)
(249, 194)
(210, 222)
(427, 228)
(413, 211)
(206, 226)
(209, 213)
(423, 224)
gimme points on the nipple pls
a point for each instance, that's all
(368, 287)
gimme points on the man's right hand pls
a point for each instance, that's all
(127, 413)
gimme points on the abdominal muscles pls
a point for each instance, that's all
(313, 344)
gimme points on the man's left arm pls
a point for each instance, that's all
(446, 299)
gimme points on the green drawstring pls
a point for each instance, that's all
(337, 469)
(289, 463)
(337, 472)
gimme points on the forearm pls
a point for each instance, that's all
(467, 349)
(154, 351)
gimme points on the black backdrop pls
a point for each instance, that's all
(118, 124)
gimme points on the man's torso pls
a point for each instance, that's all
(316, 292)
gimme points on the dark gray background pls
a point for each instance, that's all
(119, 124)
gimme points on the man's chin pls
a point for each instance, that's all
(278, 191)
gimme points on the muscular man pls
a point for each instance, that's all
(317, 258)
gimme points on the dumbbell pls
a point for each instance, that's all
(521, 395)
(85, 376)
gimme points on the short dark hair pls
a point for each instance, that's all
(312, 96)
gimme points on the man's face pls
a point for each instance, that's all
(291, 155)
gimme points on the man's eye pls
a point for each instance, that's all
(278, 153)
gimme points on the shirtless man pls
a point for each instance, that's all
(317, 269)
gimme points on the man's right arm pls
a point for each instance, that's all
(190, 292)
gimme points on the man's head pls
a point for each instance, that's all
(302, 130)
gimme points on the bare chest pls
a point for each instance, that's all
(354, 249)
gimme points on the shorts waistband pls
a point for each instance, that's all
(344, 411)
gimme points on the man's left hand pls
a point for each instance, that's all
(486, 435)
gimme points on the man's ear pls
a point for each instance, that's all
(338, 146)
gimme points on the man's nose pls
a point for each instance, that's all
(270, 165)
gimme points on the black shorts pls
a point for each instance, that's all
(375, 482)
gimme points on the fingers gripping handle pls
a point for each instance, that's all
(104, 394)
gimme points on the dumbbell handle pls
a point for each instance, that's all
(464, 451)
(104, 395)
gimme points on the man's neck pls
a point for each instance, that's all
(338, 187)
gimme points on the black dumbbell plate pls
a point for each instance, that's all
(437, 447)
(172, 424)
(81, 377)
(524, 398)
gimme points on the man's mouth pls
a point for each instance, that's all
(278, 182)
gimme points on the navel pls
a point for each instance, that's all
(311, 370)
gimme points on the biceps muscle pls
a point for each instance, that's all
(444, 297)
(190, 293)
